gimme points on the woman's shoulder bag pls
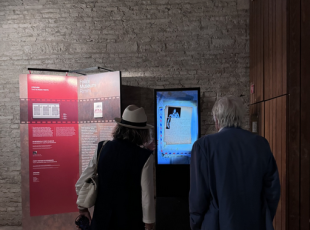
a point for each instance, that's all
(88, 193)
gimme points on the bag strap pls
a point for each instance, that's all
(98, 156)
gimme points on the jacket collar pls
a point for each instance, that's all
(229, 127)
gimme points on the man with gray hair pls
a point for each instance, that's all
(234, 181)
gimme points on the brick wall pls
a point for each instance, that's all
(156, 43)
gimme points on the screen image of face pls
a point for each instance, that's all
(177, 125)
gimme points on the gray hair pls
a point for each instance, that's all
(229, 111)
(136, 136)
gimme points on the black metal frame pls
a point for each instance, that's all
(79, 71)
(48, 70)
(179, 186)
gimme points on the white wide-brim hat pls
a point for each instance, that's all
(134, 117)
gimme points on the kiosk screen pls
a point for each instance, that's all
(177, 113)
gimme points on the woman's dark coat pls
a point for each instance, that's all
(118, 205)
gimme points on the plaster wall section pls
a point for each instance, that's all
(155, 43)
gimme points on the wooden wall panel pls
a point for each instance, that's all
(285, 24)
(252, 37)
(286, 59)
(305, 117)
(260, 50)
(283, 146)
(256, 51)
(278, 49)
(275, 133)
(294, 126)
(267, 123)
(267, 51)
(259, 109)
(277, 140)
(275, 48)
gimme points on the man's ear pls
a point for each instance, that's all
(217, 127)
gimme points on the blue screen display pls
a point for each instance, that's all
(177, 125)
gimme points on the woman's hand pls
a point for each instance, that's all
(149, 226)
(151, 146)
(85, 212)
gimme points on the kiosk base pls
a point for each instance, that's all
(172, 213)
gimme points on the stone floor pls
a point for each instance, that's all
(10, 227)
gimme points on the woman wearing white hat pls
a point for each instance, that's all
(125, 197)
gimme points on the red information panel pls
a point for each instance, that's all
(52, 87)
(53, 168)
(53, 144)
(62, 119)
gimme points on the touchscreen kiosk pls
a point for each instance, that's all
(177, 127)
(177, 124)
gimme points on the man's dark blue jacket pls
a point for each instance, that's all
(234, 182)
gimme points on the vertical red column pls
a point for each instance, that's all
(53, 144)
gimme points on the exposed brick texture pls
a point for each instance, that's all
(156, 43)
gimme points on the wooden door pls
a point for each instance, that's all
(294, 125)
(305, 117)
(275, 133)
(275, 48)
(256, 51)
